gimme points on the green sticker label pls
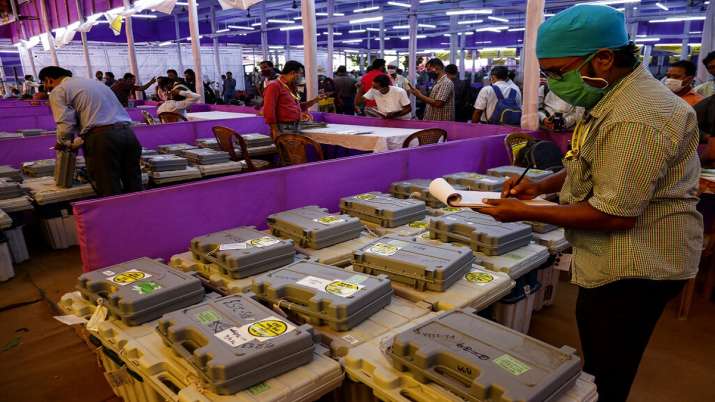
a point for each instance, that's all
(357, 279)
(145, 288)
(418, 225)
(366, 197)
(512, 365)
(329, 220)
(259, 388)
(206, 317)
(479, 277)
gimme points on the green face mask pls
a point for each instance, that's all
(572, 88)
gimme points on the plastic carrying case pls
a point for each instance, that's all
(140, 290)
(243, 251)
(480, 360)
(406, 188)
(383, 209)
(324, 295)
(481, 232)
(475, 181)
(423, 266)
(234, 342)
(509, 170)
(314, 227)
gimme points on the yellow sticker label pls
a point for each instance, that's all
(268, 328)
(264, 241)
(451, 209)
(479, 277)
(383, 249)
(127, 277)
(343, 289)
(366, 197)
(329, 220)
(418, 225)
(475, 176)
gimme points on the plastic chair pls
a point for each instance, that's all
(148, 119)
(171, 117)
(227, 139)
(425, 137)
(514, 142)
(292, 149)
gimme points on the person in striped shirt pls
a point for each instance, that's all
(628, 192)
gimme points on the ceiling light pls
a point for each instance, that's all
(291, 28)
(272, 21)
(321, 14)
(352, 41)
(638, 40)
(365, 20)
(662, 6)
(241, 27)
(357, 31)
(275, 47)
(497, 49)
(695, 32)
(372, 29)
(162, 44)
(366, 9)
(256, 24)
(484, 42)
(223, 30)
(398, 4)
(429, 1)
(549, 14)
(300, 18)
(146, 16)
(427, 26)
(467, 22)
(516, 29)
(492, 29)
(678, 19)
(418, 37)
(497, 19)
(469, 12)
(609, 2)
(337, 33)
(401, 27)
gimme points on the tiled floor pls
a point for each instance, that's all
(42, 360)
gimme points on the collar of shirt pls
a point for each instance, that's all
(605, 104)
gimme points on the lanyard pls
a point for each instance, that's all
(580, 134)
(296, 97)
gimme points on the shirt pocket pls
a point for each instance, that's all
(578, 185)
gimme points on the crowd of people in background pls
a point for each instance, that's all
(490, 96)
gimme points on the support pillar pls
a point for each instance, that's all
(48, 31)
(217, 55)
(178, 43)
(534, 17)
(195, 47)
(310, 47)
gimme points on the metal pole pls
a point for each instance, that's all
(382, 40)
(685, 50)
(361, 63)
(3, 78)
(287, 53)
(453, 38)
(83, 35)
(264, 32)
(241, 76)
(217, 56)
(369, 48)
(178, 42)
(534, 17)
(412, 42)
(195, 47)
(462, 56)
(647, 51)
(474, 65)
(331, 43)
(30, 57)
(310, 48)
(130, 44)
(48, 31)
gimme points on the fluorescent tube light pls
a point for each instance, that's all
(468, 22)
(365, 20)
(398, 4)
(241, 27)
(497, 19)
(662, 6)
(469, 12)
(366, 9)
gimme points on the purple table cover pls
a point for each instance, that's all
(161, 222)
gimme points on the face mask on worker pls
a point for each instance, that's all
(673, 84)
(574, 90)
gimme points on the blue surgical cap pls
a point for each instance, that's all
(581, 30)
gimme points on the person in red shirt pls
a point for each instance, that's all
(377, 68)
(281, 102)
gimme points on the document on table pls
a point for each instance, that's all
(444, 192)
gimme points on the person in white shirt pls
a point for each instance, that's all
(180, 98)
(29, 87)
(398, 79)
(551, 107)
(392, 102)
(707, 88)
(487, 99)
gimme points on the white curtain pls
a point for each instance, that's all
(530, 98)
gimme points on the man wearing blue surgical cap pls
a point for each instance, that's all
(627, 193)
